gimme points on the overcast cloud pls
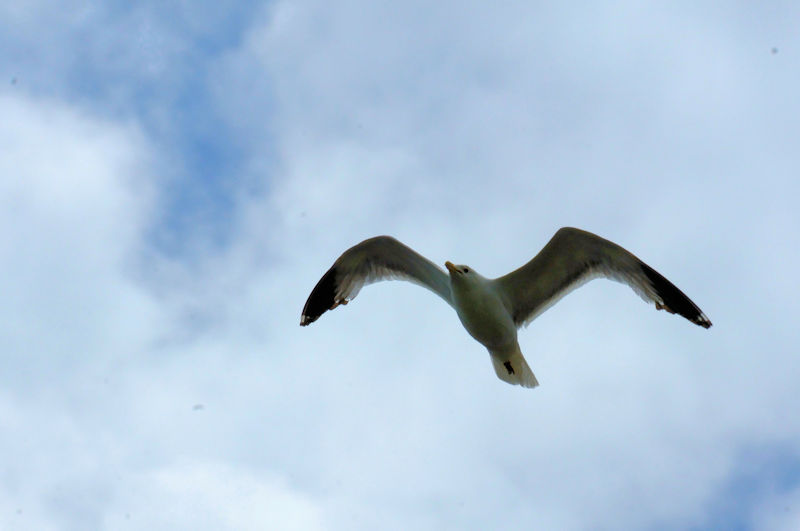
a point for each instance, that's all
(175, 179)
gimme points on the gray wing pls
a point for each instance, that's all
(573, 257)
(379, 258)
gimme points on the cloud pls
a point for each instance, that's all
(210, 496)
(76, 196)
(480, 160)
(472, 134)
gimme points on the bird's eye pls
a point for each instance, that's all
(466, 270)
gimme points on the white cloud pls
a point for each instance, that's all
(472, 134)
(515, 127)
(210, 496)
(84, 334)
(75, 195)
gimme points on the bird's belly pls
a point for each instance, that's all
(487, 320)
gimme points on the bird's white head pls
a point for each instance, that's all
(465, 283)
(461, 274)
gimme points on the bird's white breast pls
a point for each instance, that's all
(483, 314)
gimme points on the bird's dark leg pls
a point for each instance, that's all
(343, 302)
(660, 306)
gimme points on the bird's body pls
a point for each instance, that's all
(492, 310)
(481, 309)
(487, 318)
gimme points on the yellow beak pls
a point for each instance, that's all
(451, 267)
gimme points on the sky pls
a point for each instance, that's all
(176, 176)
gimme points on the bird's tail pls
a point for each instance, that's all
(512, 368)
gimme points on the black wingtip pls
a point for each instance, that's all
(675, 301)
(703, 321)
(322, 298)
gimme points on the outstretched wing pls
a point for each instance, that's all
(379, 258)
(573, 257)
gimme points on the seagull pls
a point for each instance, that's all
(492, 310)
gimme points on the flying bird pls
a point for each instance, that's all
(493, 309)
